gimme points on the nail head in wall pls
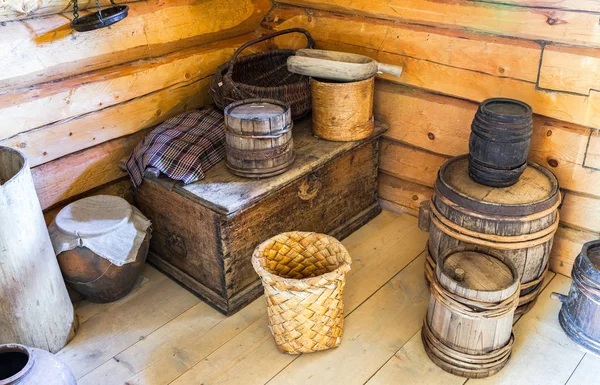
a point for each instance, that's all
(430, 135)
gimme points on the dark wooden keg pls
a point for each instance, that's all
(258, 134)
(499, 142)
(518, 222)
(580, 313)
(468, 327)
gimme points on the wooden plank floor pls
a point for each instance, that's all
(161, 334)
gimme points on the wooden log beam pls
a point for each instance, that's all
(51, 103)
(567, 245)
(451, 80)
(492, 55)
(572, 5)
(47, 48)
(442, 125)
(82, 171)
(11, 10)
(52, 142)
(578, 28)
(570, 69)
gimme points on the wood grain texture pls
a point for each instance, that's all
(530, 23)
(77, 173)
(570, 69)
(492, 55)
(477, 86)
(11, 10)
(405, 193)
(442, 125)
(46, 49)
(567, 245)
(55, 141)
(575, 5)
(55, 102)
(35, 309)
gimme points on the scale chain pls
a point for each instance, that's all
(75, 10)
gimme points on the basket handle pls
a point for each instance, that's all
(311, 42)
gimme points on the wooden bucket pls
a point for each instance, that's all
(258, 138)
(468, 326)
(517, 221)
(580, 313)
(342, 111)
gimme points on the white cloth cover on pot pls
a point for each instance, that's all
(107, 225)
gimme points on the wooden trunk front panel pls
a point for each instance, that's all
(185, 234)
(323, 201)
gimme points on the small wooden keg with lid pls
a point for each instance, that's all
(258, 138)
(518, 221)
(468, 327)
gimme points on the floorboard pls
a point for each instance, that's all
(161, 334)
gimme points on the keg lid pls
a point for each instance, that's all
(536, 190)
(95, 215)
(478, 271)
(255, 110)
(504, 109)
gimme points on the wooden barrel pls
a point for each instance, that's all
(342, 111)
(468, 327)
(499, 142)
(258, 138)
(580, 313)
(518, 221)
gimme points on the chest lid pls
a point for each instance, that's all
(227, 194)
(536, 190)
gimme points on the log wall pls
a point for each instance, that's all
(456, 54)
(76, 103)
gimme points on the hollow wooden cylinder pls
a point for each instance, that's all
(97, 279)
(518, 222)
(499, 142)
(35, 309)
(468, 327)
(580, 313)
(342, 111)
(258, 138)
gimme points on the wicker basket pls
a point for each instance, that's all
(304, 276)
(263, 75)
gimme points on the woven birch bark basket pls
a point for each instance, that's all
(303, 275)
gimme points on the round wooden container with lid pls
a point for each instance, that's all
(518, 221)
(342, 111)
(258, 138)
(468, 327)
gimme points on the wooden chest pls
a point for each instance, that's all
(204, 233)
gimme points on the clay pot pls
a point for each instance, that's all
(20, 365)
(98, 280)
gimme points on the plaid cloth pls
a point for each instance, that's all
(183, 147)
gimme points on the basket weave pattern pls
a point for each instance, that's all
(303, 275)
